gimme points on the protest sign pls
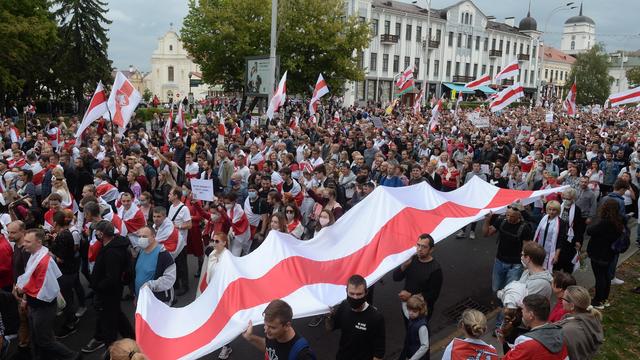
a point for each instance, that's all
(202, 189)
(377, 122)
(549, 117)
(525, 132)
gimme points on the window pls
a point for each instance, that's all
(385, 62)
(475, 70)
(493, 44)
(546, 74)
(498, 70)
(486, 44)
(436, 68)
(519, 76)
(528, 48)
(360, 90)
(426, 74)
(462, 18)
(448, 72)
(362, 19)
(490, 70)
(477, 42)
(469, 41)
(459, 43)
(466, 18)
(501, 45)
(526, 78)
(387, 27)
(408, 32)
(484, 70)
(573, 45)
(506, 50)
(407, 61)
(531, 76)
(471, 19)
(450, 39)
(374, 27)
(438, 34)
(521, 48)
(416, 64)
(170, 73)
(418, 33)
(398, 28)
(533, 53)
(396, 63)
(373, 61)
(514, 48)
(457, 72)
(170, 47)
(467, 69)
(361, 59)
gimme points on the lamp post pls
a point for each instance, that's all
(272, 47)
(566, 6)
(426, 55)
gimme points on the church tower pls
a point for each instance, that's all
(578, 35)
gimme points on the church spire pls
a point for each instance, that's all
(581, 8)
(529, 12)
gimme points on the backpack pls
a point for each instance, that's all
(623, 241)
(298, 346)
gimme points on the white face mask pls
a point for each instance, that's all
(228, 206)
(323, 221)
(290, 216)
(143, 242)
(523, 263)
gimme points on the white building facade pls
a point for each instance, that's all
(172, 71)
(449, 46)
(578, 34)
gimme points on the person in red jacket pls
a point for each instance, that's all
(544, 341)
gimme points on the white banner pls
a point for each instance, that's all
(202, 189)
(549, 117)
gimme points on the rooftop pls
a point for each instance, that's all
(553, 54)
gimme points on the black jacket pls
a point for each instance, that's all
(111, 263)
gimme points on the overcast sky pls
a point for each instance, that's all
(137, 24)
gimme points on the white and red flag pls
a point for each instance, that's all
(507, 96)
(625, 97)
(279, 97)
(107, 191)
(569, 103)
(319, 91)
(167, 127)
(133, 218)
(479, 82)
(54, 137)
(417, 102)
(168, 236)
(511, 70)
(435, 116)
(311, 275)
(40, 278)
(180, 119)
(405, 81)
(96, 109)
(122, 101)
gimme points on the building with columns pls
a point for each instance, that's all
(449, 47)
(578, 34)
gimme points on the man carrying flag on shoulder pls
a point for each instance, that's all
(38, 289)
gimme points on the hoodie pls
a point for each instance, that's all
(541, 343)
(537, 283)
(585, 332)
(111, 264)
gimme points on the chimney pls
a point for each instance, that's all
(131, 69)
(511, 21)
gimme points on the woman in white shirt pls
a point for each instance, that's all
(294, 221)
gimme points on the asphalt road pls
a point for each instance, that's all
(466, 266)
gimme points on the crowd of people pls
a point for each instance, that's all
(117, 210)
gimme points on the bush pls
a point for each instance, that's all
(147, 114)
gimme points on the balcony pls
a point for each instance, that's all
(433, 44)
(523, 57)
(462, 78)
(389, 39)
(495, 53)
(507, 82)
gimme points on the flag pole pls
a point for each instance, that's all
(110, 120)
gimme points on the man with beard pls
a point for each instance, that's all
(362, 326)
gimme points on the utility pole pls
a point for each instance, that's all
(272, 51)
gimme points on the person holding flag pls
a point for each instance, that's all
(569, 103)
(319, 91)
(37, 289)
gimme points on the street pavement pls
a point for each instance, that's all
(466, 265)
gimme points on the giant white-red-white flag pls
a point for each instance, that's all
(122, 101)
(506, 97)
(569, 103)
(40, 278)
(279, 97)
(311, 275)
(479, 82)
(97, 108)
(509, 71)
(625, 97)
(319, 91)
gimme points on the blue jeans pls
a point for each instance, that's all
(504, 273)
(613, 266)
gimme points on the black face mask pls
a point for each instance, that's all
(356, 303)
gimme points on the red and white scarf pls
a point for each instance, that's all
(168, 236)
(40, 278)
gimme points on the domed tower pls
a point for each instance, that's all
(579, 34)
(529, 25)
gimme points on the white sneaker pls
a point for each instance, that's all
(81, 310)
(617, 281)
(225, 352)
(460, 234)
(472, 235)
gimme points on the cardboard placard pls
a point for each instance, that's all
(202, 189)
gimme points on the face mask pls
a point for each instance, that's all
(356, 303)
(567, 203)
(228, 206)
(290, 216)
(523, 263)
(253, 195)
(143, 242)
(540, 167)
(185, 192)
(323, 221)
(96, 182)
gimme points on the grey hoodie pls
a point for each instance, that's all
(550, 336)
(538, 283)
(585, 332)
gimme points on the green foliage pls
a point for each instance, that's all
(28, 31)
(146, 95)
(591, 71)
(633, 76)
(82, 55)
(147, 114)
(313, 37)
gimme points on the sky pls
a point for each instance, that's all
(137, 24)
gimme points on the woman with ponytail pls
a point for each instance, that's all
(582, 324)
(126, 349)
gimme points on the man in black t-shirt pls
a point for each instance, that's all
(362, 326)
(280, 341)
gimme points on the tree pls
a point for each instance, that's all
(591, 71)
(313, 37)
(27, 30)
(146, 95)
(82, 55)
(633, 76)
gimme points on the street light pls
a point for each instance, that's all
(426, 55)
(567, 6)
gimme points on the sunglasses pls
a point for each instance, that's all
(290, 211)
(217, 241)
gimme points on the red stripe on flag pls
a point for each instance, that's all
(625, 97)
(403, 228)
(36, 280)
